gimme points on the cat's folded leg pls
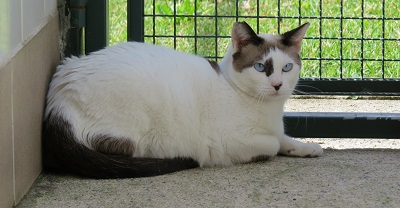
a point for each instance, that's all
(255, 148)
(291, 147)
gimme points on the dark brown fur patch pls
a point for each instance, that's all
(269, 67)
(243, 34)
(113, 146)
(215, 66)
(260, 158)
(290, 151)
(247, 55)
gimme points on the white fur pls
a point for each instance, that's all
(172, 104)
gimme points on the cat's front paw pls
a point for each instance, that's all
(305, 150)
(313, 150)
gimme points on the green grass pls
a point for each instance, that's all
(330, 28)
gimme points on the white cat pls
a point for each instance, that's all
(136, 110)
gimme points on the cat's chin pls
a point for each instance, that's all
(277, 96)
(273, 97)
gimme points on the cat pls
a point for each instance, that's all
(139, 110)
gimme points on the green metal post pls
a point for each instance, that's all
(96, 30)
(136, 20)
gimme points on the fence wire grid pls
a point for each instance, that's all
(347, 39)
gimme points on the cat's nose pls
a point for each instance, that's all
(277, 87)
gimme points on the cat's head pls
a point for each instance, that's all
(265, 66)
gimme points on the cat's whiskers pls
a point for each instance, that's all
(265, 91)
(306, 93)
(301, 92)
(257, 98)
(263, 97)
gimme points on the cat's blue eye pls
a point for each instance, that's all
(287, 67)
(259, 67)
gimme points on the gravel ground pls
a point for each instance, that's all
(342, 104)
(351, 173)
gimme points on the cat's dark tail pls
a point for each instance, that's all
(62, 153)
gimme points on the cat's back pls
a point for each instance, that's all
(130, 70)
(133, 65)
(134, 57)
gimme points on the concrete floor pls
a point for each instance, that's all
(341, 178)
(351, 173)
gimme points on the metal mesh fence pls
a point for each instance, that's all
(347, 38)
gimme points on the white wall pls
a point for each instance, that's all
(20, 20)
(29, 54)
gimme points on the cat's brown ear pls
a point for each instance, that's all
(294, 37)
(242, 34)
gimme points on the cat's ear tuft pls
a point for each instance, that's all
(242, 34)
(294, 37)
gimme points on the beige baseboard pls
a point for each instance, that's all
(23, 86)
